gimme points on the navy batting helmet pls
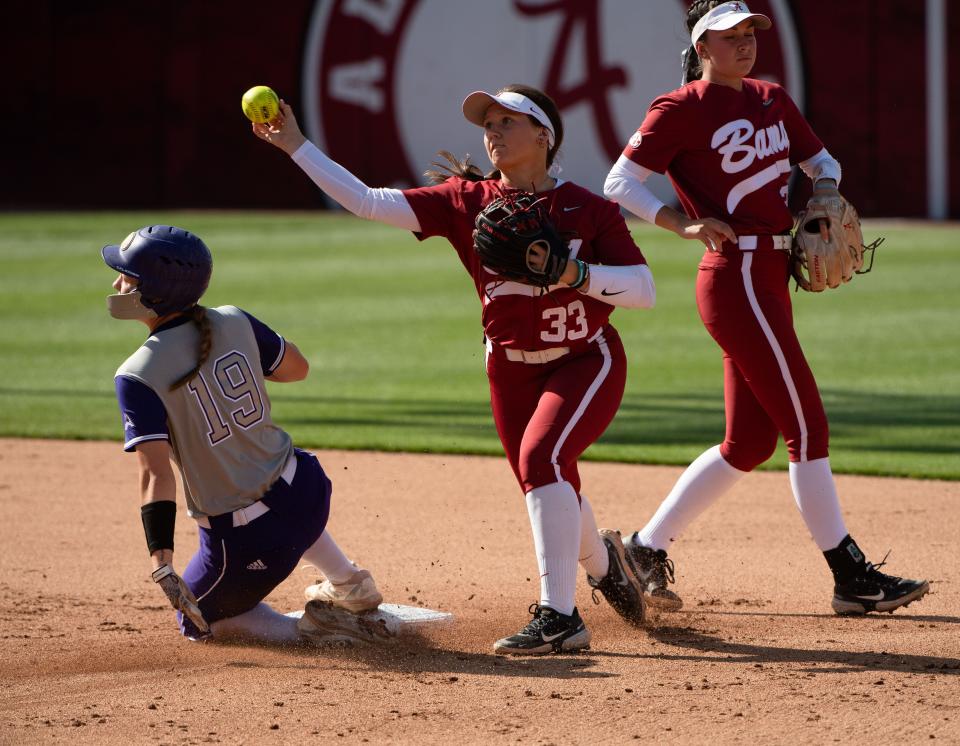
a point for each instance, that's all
(172, 265)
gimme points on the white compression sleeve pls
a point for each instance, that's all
(705, 480)
(383, 205)
(816, 497)
(630, 286)
(555, 519)
(821, 166)
(328, 558)
(259, 624)
(624, 185)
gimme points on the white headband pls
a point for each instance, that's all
(476, 104)
(727, 16)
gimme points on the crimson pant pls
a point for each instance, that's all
(548, 414)
(744, 301)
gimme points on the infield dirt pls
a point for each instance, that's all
(89, 651)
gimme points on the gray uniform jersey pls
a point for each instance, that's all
(227, 447)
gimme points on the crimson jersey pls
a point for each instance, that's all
(727, 152)
(518, 315)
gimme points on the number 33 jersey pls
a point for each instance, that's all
(515, 314)
(218, 424)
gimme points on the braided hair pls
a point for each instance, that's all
(470, 171)
(198, 315)
(692, 67)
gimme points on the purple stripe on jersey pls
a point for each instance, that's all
(144, 416)
(270, 343)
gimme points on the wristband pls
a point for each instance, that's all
(582, 274)
(158, 520)
(582, 287)
(161, 572)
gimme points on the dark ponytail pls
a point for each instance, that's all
(198, 315)
(692, 67)
(690, 61)
(469, 171)
(456, 167)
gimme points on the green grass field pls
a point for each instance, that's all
(391, 329)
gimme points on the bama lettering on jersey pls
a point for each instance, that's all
(518, 315)
(727, 152)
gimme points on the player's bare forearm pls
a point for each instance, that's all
(711, 231)
(156, 475)
(161, 557)
(670, 219)
(157, 484)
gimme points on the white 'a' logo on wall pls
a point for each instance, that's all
(383, 79)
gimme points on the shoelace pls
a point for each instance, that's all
(875, 568)
(538, 621)
(667, 565)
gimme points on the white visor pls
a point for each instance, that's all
(476, 104)
(727, 16)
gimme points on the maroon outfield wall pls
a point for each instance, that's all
(137, 104)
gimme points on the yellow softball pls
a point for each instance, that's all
(260, 104)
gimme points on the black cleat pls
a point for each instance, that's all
(548, 631)
(655, 572)
(873, 590)
(621, 585)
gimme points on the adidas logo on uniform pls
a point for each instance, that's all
(257, 565)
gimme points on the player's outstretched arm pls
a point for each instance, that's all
(387, 206)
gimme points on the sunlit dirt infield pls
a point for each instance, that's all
(89, 652)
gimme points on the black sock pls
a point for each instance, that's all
(846, 560)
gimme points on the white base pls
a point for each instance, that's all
(400, 618)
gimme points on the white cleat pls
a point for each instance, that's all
(356, 595)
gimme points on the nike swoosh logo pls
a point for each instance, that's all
(768, 102)
(604, 292)
(568, 209)
(876, 597)
(551, 638)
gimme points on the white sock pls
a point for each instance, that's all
(593, 554)
(816, 496)
(326, 556)
(555, 519)
(260, 624)
(701, 483)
